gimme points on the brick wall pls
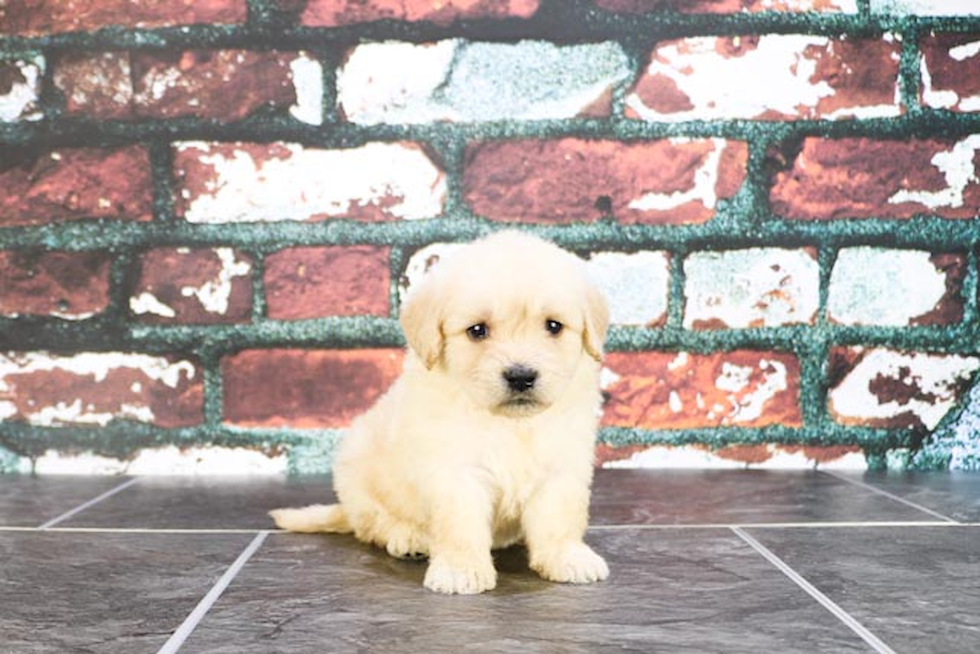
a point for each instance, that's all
(210, 211)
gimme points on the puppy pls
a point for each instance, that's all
(487, 438)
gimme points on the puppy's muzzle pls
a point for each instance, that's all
(520, 379)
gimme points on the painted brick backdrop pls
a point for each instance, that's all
(210, 211)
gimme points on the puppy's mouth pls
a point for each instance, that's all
(518, 405)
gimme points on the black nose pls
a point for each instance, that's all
(520, 378)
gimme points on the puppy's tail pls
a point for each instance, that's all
(317, 518)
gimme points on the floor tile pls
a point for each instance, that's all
(203, 502)
(952, 494)
(27, 501)
(917, 589)
(104, 593)
(679, 590)
(737, 496)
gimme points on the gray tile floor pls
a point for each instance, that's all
(702, 561)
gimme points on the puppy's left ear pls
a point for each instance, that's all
(421, 318)
(596, 322)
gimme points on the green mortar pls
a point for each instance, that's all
(745, 221)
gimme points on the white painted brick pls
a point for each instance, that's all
(876, 286)
(20, 102)
(757, 287)
(928, 382)
(254, 183)
(926, 7)
(714, 83)
(455, 80)
(701, 457)
(636, 285)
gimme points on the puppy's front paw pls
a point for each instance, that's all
(459, 576)
(574, 563)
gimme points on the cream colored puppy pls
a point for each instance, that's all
(487, 437)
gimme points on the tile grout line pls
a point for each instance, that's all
(891, 496)
(190, 623)
(842, 615)
(791, 525)
(92, 502)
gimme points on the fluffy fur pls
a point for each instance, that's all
(453, 461)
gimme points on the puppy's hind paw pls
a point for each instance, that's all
(573, 563)
(465, 579)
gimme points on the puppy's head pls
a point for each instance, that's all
(509, 319)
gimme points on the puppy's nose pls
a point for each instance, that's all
(520, 378)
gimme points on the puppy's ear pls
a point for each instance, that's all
(596, 322)
(421, 319)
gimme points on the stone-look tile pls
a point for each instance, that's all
(808, 77)
(727, 6)
(94, 388)
(252, 182)
(197, 502)
(20, 89)
(51, 16)
(954, 494)
(758, 287)
(330, 13)
(75, 184)
(70, 285)
(763, 456)
(915, 589)
(219, 84)
(866, 178)
(669, 390)
(925, 7)
(460, 81)
(313, 282)
(570, 180)
(706, 591)
(636, 285)
(877, 387)
(686, 497)
(27, 501)
(866, 281)
(183, 285)
(320, 388)
(948, 66)
(110, 593)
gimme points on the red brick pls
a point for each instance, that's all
(72, 285)
(181, 285)
(75, 184)
(573, 180)
(666, 390)
(305, 388)
(329, 13)
(220, 84)
(35, 17)
(865, 178)
(314, 282)
(809, 77)
(96, 388)
(724, 6)
(951, 71)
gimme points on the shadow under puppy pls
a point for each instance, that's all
(487, 438)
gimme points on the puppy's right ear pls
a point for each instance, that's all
(421, 318)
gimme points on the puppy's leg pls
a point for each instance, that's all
(460, 538)
(555, 519)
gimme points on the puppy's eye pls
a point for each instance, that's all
(478, 332)
(553, 326)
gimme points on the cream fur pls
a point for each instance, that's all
(445, 464)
